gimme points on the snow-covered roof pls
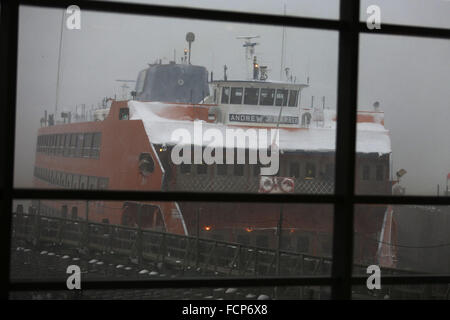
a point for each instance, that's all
(372, 137)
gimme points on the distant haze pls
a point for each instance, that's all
(410, 77)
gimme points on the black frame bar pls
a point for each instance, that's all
(227, 282)
(59, 194)
(344, 200)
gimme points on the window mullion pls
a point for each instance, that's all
(9, 37)
(345, 150)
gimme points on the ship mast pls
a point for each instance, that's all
(249, 54)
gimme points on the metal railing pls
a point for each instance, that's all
(207, 256)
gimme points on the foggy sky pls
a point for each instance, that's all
(409, 76)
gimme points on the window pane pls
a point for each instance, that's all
(404, 239)
(236, 96)
(222, 169)
(403, 120)
(293, 98)
(225, 95)
(251, 96)
(191, 239)
(281, 97)
(267, 96)
(87, 144)
(111, 149)
(295, 169)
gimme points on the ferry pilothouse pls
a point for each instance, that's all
(131, 146)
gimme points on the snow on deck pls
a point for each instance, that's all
(371, 137)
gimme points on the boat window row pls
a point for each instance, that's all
(307, 171)
(79, 145)
(259, 96)
(71, 180)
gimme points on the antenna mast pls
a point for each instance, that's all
(125, 87)
(59, 63)
(249, 53)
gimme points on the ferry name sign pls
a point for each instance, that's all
(257, 118)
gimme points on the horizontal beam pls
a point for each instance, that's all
(205, 282)
(176, 283)
(406, 30)
(65, 194)
(169, 196)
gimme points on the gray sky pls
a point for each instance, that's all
(409, 76)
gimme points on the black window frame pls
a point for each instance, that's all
(344, 199)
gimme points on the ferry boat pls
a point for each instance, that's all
(131, 144)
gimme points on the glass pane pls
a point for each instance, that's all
(236, 96)
(403, 120)
(131, 134)
(409, 12)
(293, 98)
(226, 95)
(267, 96)
(281, 97)
(402, 239)
(134, 240)
(251, 96)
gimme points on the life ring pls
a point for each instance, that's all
(287, 185)
(266, 184)
(180, 82)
